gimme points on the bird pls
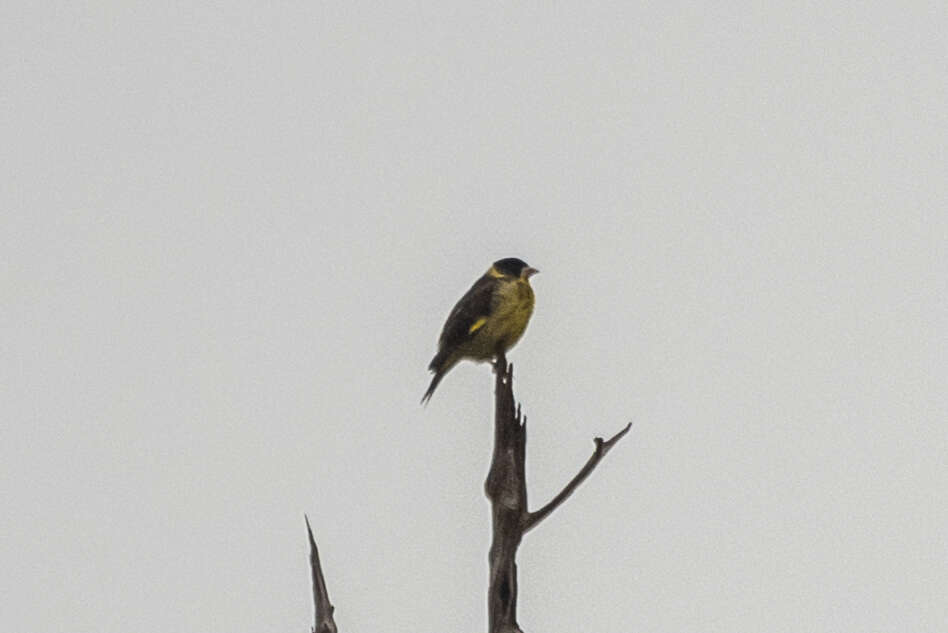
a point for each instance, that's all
(488, 320)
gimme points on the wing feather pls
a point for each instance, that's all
(475, 306)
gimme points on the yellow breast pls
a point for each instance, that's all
(512, 312)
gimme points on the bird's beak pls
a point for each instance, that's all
(529, 272)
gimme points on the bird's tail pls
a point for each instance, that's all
(434, 383)
(440, 365)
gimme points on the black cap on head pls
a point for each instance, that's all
(510, 266)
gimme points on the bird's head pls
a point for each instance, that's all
(512, 267)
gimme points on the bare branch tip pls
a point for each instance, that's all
(621, 433)
(309, 532)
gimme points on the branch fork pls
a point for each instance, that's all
(506, 488)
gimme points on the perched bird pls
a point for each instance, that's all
(488, 320)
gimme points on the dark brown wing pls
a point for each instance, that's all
(473, 306)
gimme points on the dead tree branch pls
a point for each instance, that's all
(324, 622)
(531, 519)
(506, 488)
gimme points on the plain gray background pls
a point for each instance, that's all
(231, 233)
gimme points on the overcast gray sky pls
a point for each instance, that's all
(230, 234)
